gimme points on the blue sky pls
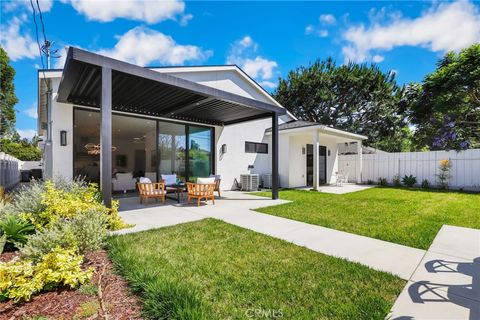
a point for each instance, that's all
(266, 39)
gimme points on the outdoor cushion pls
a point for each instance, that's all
(150, 192)
(216, 176)
(205, 180)
(169, 179)
(145, 180)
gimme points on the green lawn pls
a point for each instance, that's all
(212, 270)
(411, 217)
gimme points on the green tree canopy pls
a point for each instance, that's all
(359, 98)
(446, 108)
(8, 99)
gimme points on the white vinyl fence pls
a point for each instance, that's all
(465, 171)
(9, 170)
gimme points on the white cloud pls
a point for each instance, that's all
(185, 18)
(378, 58)
(45, 5)
(143, 46)
(322, 33)
(27, 133)
(17, 44)
(31, 112)
(444, 27)
(243, 53)
(309, 29)
(268, 84)
(327, 19)
(141, 10)
(259, 67)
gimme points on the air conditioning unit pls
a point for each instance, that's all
(249, 182)
(267, 181)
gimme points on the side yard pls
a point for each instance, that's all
(212, 270)
(410, 217)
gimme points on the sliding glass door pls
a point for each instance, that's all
(142, 147)
(185, 150)
(200, 152)
(172, 148)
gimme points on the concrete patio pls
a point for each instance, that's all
(340, 189)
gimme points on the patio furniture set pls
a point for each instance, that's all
(204, 188)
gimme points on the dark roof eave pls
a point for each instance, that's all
(82, 56)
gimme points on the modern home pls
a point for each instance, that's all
(112, 122)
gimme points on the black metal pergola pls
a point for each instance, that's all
(97, 81)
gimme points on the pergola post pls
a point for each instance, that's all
(359, 165)
(106, 137)
(274, 156)
(316, 156)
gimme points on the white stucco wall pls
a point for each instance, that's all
(62, 119)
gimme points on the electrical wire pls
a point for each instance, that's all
(40, 51)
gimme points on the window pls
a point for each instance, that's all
(254, 147)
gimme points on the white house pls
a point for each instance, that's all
(101, 117)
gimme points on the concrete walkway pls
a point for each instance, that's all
(446, 283)
(235, 208)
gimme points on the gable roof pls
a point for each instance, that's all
(300, 124)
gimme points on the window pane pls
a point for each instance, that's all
(262, 148)
(172, 148)
(200, 144)
(134, 143)
(86, 145)
(249, 147)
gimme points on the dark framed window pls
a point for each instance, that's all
(255, 147)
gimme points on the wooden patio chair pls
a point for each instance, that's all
(154, 190)
(200, 191)
(217, 183)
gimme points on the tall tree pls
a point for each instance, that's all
(355, 97)
(8, 99)
(446, 108)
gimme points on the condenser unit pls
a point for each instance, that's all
(249, 182)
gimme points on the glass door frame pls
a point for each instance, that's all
(158, 123)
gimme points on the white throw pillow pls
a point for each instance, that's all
(205, 180)
(145, 180)
(169, 179)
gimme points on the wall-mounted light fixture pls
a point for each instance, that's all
(329, 152)
(63, 138)
(303, 150)
(224, 148)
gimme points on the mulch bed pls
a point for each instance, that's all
(114, 300)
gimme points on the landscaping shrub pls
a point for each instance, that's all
(425, 184)
(409, 181)
(65, 201)
(69, 219)
(28, 199)
(444, 173)
(396, 181)
(370, 182)
(87, 231)
(19, 279)
(382, 181)
(15, 231)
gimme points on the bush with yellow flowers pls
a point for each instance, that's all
(70, 219)
(19, 279)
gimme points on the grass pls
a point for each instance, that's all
(411, 217)
(212, 270)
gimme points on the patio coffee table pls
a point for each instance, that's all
(179, 188)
